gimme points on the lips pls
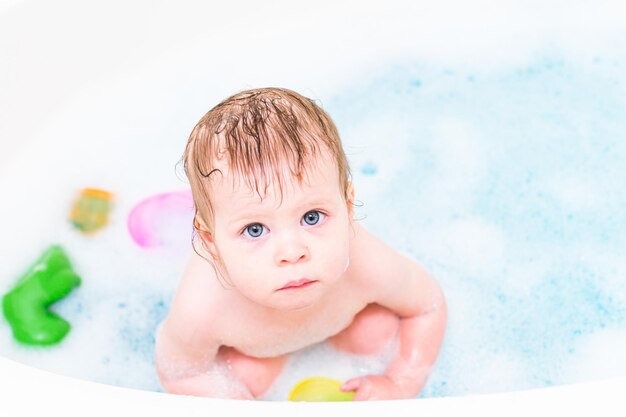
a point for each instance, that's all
(296, 285)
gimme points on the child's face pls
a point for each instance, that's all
(282, 254)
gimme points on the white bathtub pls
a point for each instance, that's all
(28, 391)
(55, 54)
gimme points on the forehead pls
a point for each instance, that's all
(234, 191)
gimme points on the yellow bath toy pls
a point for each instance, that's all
(319, 388)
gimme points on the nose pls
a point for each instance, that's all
(291, 249)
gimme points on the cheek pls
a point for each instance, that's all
(335, 253)
(238, 260)
(244, 265)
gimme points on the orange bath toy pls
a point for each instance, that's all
(90, 211)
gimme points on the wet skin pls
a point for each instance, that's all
(249, 316)
(370, 332)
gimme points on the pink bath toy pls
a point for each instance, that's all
(159, 219)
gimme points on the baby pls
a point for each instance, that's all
(280, 264)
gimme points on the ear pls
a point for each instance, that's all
(350, 199)
(208, 242)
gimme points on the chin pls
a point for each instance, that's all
(293, 305)
(295, 302)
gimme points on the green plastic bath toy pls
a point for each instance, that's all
(26, 305)
(319, 388)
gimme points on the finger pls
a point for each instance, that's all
(351, 384)
(364, 392)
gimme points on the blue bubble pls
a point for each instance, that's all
(369, 168)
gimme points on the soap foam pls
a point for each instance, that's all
(497, 162)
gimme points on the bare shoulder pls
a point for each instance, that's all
(370, 256)
(392, 279)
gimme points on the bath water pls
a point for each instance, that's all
(504, 179)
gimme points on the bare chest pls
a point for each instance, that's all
(270, 338)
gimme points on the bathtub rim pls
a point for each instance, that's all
(76, 397)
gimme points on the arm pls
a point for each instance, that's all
(420, 337)
(182, 370)
(403, 286)
(187, 343)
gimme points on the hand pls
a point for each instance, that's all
(373, 387)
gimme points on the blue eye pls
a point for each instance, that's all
(313, 217)
(254, 230)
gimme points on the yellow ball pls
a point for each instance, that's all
(319, 388)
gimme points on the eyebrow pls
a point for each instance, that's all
(247, 213)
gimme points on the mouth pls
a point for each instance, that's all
(296, 285)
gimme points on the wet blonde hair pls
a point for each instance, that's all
(259, 132)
